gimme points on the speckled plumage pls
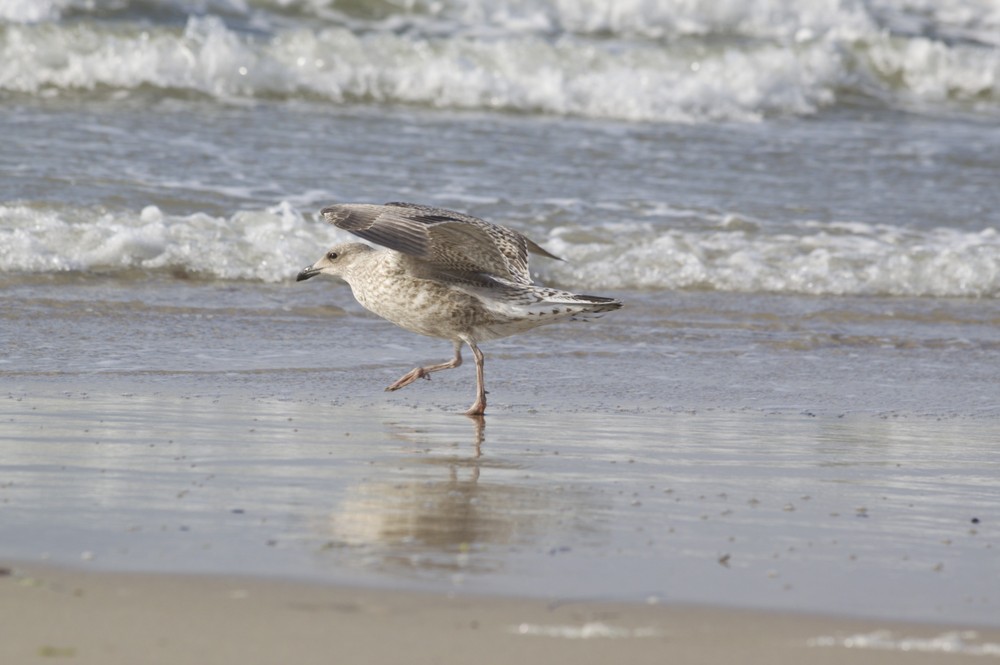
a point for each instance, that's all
(445, 274)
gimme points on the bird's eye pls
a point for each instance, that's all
(332, 256)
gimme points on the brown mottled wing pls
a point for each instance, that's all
(448, 241)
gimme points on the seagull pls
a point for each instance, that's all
(448, 275)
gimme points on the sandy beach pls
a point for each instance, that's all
(223, 525)
(759, 466)
(52, 615)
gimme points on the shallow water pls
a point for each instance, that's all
(882, 517)
(776, 452)
(854, 205)
(691, 351)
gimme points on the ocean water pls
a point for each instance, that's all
(830, 166)
(796, 200)
(821, 148)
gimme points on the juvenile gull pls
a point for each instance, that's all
(445, 274)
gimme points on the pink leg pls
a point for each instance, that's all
(479, 407)
(425, 372)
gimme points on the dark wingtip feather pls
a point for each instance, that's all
(610, 303)
(336, 214)
(535, 248)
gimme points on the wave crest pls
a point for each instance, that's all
(819, 259)
(733, 255)
(758, 70)
(262, 245)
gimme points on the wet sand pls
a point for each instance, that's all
(741, 471)
(52, 615)
(866, 516)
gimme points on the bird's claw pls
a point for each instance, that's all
(409, 378)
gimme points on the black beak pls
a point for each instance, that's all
(306, 273)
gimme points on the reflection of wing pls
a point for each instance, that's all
(448, 241)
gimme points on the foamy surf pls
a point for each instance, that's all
(263, 245)
(271, 245)
(816, 259)
(637, 61)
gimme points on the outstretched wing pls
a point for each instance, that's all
(449, 241)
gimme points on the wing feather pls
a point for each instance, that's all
(450, 242)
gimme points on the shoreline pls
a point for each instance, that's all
(112, 618)
(782, 512)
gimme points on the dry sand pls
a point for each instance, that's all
(58, 615)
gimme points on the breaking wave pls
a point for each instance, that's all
(271, 245)
(675, 60)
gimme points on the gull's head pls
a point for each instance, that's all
(337, 261)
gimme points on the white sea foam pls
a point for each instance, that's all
(636, 60)
(965, 643)
(264, 245)
(587, 631)
(272, 245)
(29, 11)
(817, 259)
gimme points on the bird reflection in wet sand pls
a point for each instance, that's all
(445, 274)
(444, 507)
